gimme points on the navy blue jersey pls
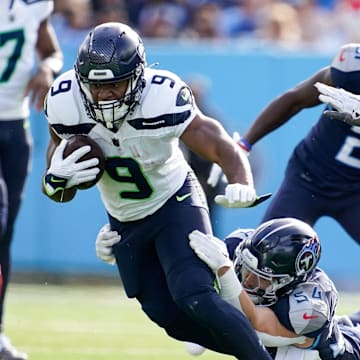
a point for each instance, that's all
(330, 152)
(330, 156)
(325, 165)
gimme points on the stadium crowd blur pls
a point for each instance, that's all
(291, 24)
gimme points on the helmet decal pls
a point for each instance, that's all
(308, 256)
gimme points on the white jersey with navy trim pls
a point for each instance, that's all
(19, 24)
(144, 164)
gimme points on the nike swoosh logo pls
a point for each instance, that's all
(52, 179)
(180, 198)
(309, 317)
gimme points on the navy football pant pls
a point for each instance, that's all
(304, 200)
(15, 149)
(175, 288)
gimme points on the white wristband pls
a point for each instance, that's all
(230, 288)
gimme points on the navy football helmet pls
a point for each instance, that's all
(280, 254)
(111, 52)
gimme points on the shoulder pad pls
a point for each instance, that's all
(348, 58)
(40, 9)
(345, 68)
(308, 309)
(165, 93)
(234, 240)
(64, 109)
(242, 234)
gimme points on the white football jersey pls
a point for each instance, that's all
(19, 26)
(144, 164)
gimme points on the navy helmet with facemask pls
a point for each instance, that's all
(110, 53)
(279, 255)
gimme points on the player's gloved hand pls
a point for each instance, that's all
(346, 104)
(236, 196)
(105, 240)
(211, 250)
(216, 171)
(66, 173)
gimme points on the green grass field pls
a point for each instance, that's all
(71, 322)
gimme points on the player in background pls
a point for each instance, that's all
(276, 266)
(322, 175)
(25, 35)
(137, 114)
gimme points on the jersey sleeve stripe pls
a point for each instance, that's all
(160, 121)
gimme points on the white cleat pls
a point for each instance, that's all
(192, 349)
(8, 351)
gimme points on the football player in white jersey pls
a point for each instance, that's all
(25, 34)
(137, 115)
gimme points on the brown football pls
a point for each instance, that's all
(77, 141)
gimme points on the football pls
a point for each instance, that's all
(77, 141)
(64, 196)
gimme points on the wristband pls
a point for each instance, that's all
(53, 184)
(230, 288)
(245, 145)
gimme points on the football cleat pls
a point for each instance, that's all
(8, 351)
(194, 349)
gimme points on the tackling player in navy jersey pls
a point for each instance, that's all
(322, 175)
(137, 114)
(25, 31)
(295, 301)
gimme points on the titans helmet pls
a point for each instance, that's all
(110, 53)
(280, 254)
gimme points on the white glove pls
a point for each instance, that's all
(211, 250)
(237, 196)
(346, 103)
(105, 240)
(216, 171)
(66, 173)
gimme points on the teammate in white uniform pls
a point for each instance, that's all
(137, 115)
(25, 33)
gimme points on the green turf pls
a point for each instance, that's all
(68, 322)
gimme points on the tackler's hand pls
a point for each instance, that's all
(211, 250)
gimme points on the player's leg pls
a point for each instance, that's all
(15, 154)
(346, 212)
(191, 282)
(295, 198)
(143, 277)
